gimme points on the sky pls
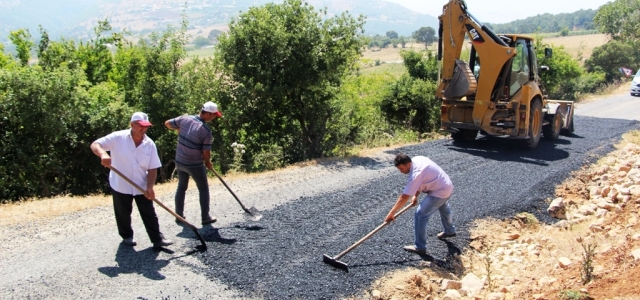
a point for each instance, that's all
(503, 11)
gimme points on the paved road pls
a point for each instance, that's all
(308, 211)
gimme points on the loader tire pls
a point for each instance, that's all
(535, 125)
(551, 131)
(464, 135)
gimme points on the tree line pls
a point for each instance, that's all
(579, 20)
(285, 77)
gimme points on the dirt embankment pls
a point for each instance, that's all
(592, 252)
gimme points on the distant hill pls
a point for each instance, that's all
(579, 20)
(76, 18)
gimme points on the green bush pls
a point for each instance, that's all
(411, 103)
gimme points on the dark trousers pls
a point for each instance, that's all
(123, 206)
(199, 175)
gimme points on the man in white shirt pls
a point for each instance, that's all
(427, 177)
(135, 155)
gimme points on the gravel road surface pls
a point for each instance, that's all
(308, 211)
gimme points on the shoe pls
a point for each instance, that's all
(209, 221)
(414, 250)
(180, 222)
(162, 243)
(129, 242)
(443, 235)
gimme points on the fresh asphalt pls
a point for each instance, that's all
(281, 257)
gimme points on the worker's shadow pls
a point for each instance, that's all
(208, 233)
(450, 262)
(130, 261)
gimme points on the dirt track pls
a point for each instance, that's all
(308, 211)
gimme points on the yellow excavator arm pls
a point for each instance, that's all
(455, 22)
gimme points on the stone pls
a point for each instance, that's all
(625, 191)
(564, 262)
(604, 248)
(376, 294)
(452, 295)
(621, 174)
(450, 285)
(624, 169)
(595, 190)
(557, 209)
(472, 284)
(634, 190)
(586, 210)
(512, 236)
(605, 205)
(538, 296)
(636, 236)
(636, 254)
(546, 280)
(495, 296)
(605, 191)
(602, 170)
(508, 280)
(562, 224)
(601, 212)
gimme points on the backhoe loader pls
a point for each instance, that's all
(503, 94)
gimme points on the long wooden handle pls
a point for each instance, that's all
(366, 237)
(139, 188)
(232, 193)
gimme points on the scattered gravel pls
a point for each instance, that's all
(308, 211)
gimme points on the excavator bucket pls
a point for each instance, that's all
(463, 82)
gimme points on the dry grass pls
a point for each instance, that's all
(578, 43)
(38, 208)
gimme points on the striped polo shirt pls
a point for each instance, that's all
(194, 137)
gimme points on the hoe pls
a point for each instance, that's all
(202, 247)
(334, 261)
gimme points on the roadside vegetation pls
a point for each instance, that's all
(303, 93)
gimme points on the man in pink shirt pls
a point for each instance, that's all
(425, 176)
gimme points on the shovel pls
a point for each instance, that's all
(202, 247)
(334, 261)
(251, 213)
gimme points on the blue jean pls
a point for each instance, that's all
(199, 175)
(427, 207)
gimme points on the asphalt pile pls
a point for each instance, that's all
(281, 256)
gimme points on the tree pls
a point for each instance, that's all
(608, 59)
(213, 35)
(21, 38)
(426, 35)
(619, 19)
(289, 61)
(392, 34)
(201, 42)
(564, 31)
(420, 65)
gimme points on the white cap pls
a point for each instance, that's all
(141, 118)
(212, 108)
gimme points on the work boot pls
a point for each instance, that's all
(443, 235)
(129, 242)
(209, 221)
(162, 243)
(413, 249)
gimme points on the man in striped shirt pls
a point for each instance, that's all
(193, 156)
